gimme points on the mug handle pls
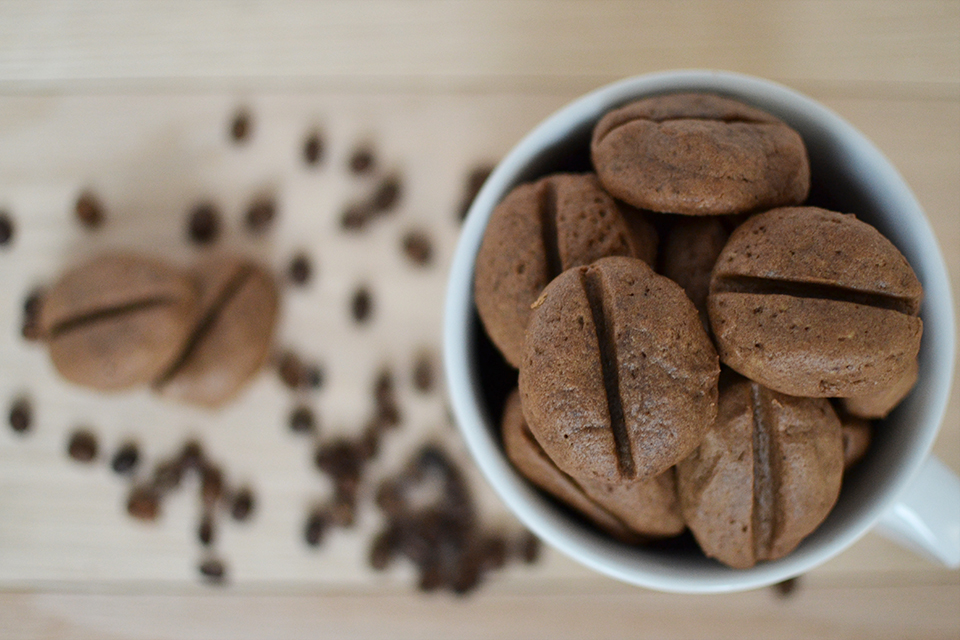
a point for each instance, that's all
(926, 516)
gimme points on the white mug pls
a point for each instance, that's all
(899, 488)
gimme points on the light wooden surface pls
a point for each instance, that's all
(133, 100)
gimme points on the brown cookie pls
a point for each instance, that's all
(880, 403)
(538, 231)
(689, 253)
(815, 303)
(117, 321)
(630, 511)
(699, 154)
(765, 476)
(231, 333)
(619, 378)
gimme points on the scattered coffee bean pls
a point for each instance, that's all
(387, 194)
(205, 531)
(21, 415)
(302, 420)
(241, 126)
(126, 458)
(315, 376)
(369, 443)
(30, 328)
(300, 270)
(211, 485)
(204, 224)
(88, 210)
(82, 446)
(474, 183)
(343, 512)
(355, 216)
(361, 305)
(143, 503)
(418, 248)
(191, 457)
(316, 526)
(529, 548)
(341, 461)
(362, 160)
(313, 149)
(6, 228)
(493, 551)
(260, 215)
(291, 370)
(787, 588)
(423, 375)
(243, 504)
(213, 570)
(167, 476)
(383, 549)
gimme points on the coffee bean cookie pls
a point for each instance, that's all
(689, 252)
(538, 231)
(815, 303)
(630, 511)
(618, 379)
(231, 333)
(765, 476)
(117, 321)
(699, 154)
(880, 403)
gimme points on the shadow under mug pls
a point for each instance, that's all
(898, 487)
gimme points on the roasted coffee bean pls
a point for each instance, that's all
(260, 215)
(203, 224)
(302, 420)
(126, 458)
(243, 504)
(369, 443)
(390, 498)
(191, 457)
(467, 574)
(423, 373)
(355, 216)
(343, 511)
(340, 460)
(387, 194)
(300, 270)
(82, 446)
(213, 570)
(240, 126)
(88, 210)
(314, 376)
(117, 321)
(787, 588)
(205, 532)
(475, 179)
(529, 548)
(231, 336)
(417, 247)
(143, 503)
(383, 549)
(211, 485)
(361, 305)
(6, 228)
(167, 476)
(362, 160)
(493, 552)
(291, 370)
(313, 149)
(30, 327)
(316, 526)
(21, 415)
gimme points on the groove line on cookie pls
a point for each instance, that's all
(593, 288)
(814, 290)
(763, 476)
(108, 313)
(206, 323)
(548, 228)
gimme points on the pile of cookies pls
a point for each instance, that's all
(696, 347)
(121, 320)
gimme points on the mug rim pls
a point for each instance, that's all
(595, 550)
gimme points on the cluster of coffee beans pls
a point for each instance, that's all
(433, 522)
